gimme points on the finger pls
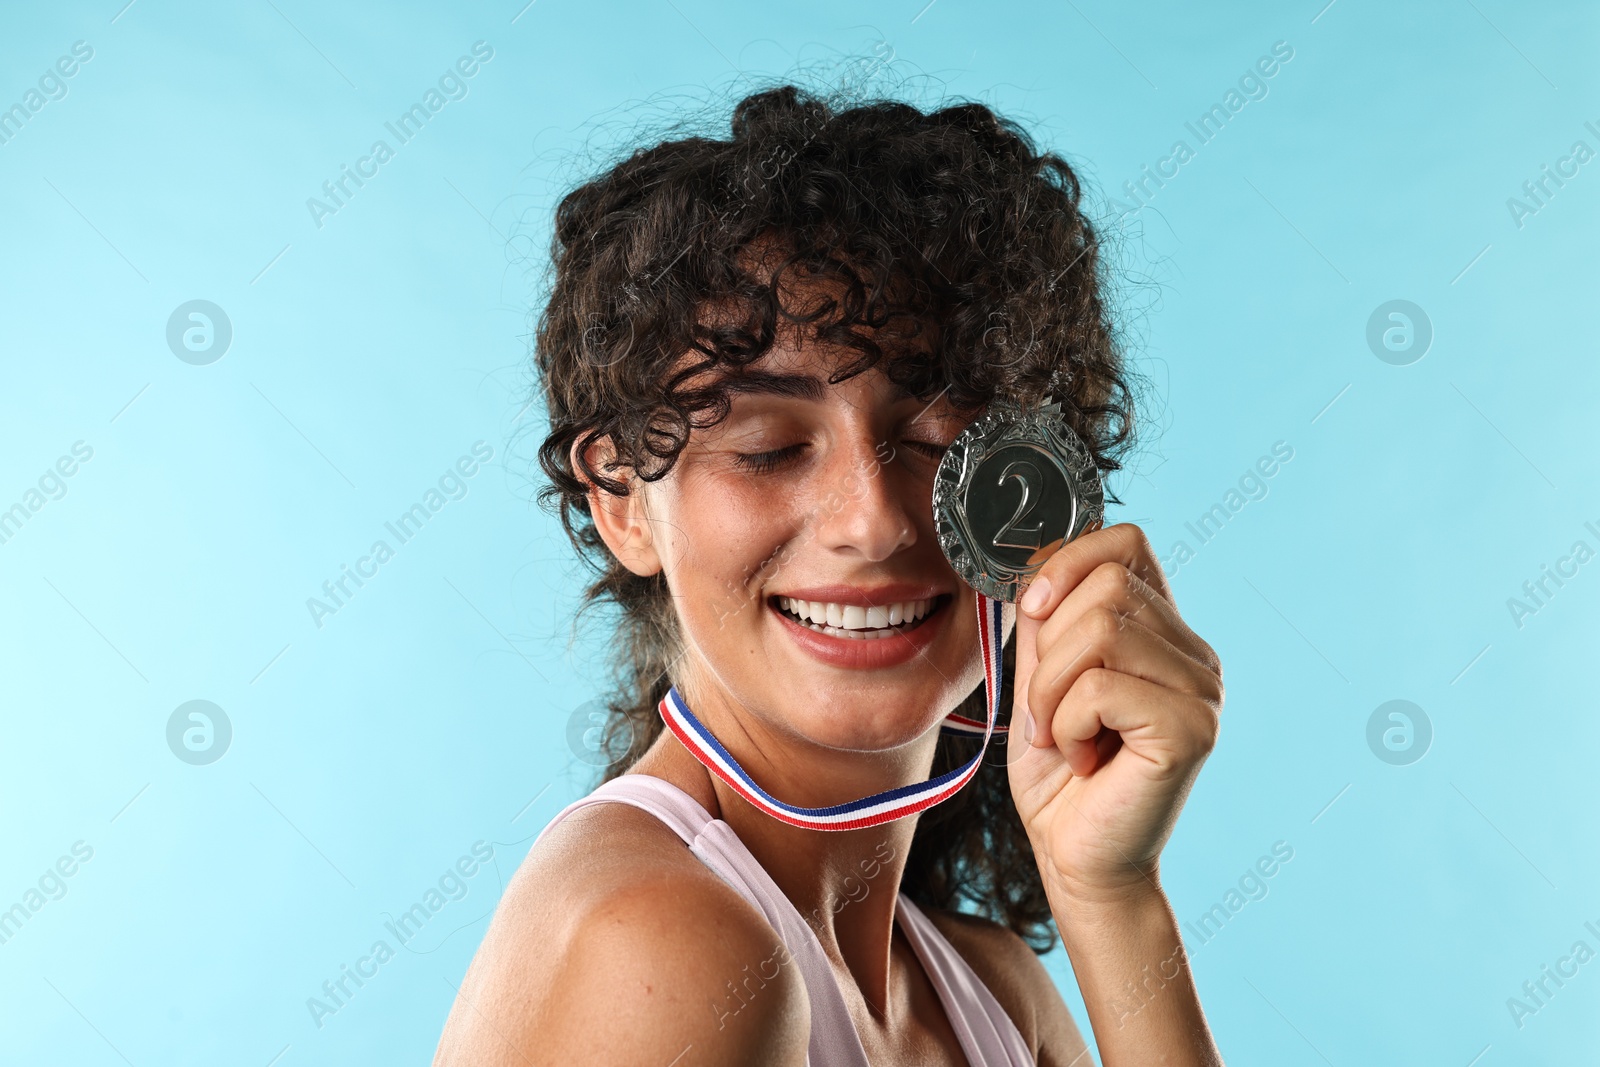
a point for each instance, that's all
(1104, 639)
(1113, 587)
(1124, 543)
(1027, 662)
(1163, 727)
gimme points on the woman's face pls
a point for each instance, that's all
(820, 494)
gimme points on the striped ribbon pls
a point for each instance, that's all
(879, 808)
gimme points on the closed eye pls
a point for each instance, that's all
(766, 462)
(931, 448)
(762, 462)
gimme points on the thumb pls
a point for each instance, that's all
(1027, 661)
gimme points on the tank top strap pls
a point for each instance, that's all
(670, 804)
(834, 1041)
(987, 1034)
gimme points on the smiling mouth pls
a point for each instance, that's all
(783, 606)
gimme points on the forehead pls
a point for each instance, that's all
(797, 366)
(801, 373)
(794, 370)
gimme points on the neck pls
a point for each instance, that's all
(844, 883)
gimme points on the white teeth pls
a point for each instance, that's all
(855, 619)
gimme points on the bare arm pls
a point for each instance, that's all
(1135, 978)
(619, 961)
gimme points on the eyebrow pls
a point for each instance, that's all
(793, 386)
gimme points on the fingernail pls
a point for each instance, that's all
(1027, 729)
(1036, 596)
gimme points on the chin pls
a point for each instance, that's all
(862, 720)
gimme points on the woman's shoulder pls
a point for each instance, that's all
(599, 855)
(1013, 972)
(613, 943)
(612, 870)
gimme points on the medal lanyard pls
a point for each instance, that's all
(879, 808)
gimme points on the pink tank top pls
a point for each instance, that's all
(987, 1035)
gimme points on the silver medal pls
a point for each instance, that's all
(1011, 490)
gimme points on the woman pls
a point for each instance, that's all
(754, 354)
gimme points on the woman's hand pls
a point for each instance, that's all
(1124, 701)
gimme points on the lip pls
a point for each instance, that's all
(852, 654)
(863, 596)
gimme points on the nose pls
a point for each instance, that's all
(862, 505)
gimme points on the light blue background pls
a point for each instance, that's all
(431, 711)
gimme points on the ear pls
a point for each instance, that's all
(622, 521)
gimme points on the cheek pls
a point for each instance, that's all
(731, 538)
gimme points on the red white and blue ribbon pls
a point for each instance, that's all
(879, 808)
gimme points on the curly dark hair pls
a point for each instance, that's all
(950, 219)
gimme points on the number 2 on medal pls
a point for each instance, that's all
(1036, 531)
